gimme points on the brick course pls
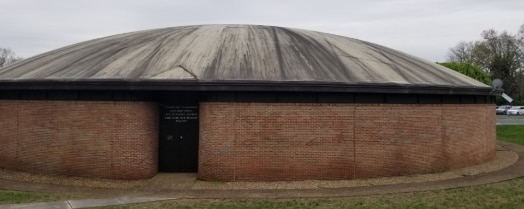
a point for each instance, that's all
(248, 141)
(117, 140)
(288, 141)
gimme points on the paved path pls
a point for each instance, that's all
(83, 203)
(510, 120)
(185, 188)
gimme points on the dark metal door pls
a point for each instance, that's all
(178, 145)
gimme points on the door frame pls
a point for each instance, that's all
(192, 145)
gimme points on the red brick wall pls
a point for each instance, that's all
(275, 141)
(117, 140)
(247, 141)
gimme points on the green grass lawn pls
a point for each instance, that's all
(13, 197)
(511, 133)
(508, 194)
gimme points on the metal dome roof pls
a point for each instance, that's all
(229, 57)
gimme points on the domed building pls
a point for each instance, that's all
(239, 103)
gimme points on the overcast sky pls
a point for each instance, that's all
(424, 28)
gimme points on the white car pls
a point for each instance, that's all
(501, 110)
(516, 110)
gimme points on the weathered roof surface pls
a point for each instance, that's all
(222, 55)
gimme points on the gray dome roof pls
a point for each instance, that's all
(224, 57)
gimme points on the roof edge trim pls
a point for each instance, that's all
(293, 86)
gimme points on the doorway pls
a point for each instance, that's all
(178, 143)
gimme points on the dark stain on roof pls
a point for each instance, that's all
(232, 54)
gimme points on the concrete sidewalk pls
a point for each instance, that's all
(86, 203)
(173, 186)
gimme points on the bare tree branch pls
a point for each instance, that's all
(7, 57)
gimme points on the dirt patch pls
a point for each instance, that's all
(70, 181)
(166, 182)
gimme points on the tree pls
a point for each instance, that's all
(470, 70)
(7, 57)
(520, 74)
(501, 55)
(502, 58)
(464, 52)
